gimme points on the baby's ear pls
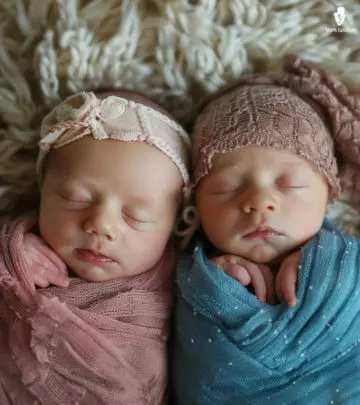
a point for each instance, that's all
(186, 225)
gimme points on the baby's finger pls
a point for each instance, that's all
(288, 287)
(40, 282)
(286, 280)
(219, 261)
(239, 273)
(285, 284)
(59, 279)
(270, 283)
(257, 281)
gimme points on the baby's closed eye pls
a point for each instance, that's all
(76, 198)
(224, 185)
(291, 182)
(138, 218)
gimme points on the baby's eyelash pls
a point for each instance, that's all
(76, 201)
(292, 187)
(141, 221)
(138, 220)
(289, 186)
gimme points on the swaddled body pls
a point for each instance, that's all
(233, 349)
(269, 154)
(112, 174)
(88, 343)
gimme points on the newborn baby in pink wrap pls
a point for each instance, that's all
(113, 170)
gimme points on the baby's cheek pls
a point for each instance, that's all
(46, 225)
(217, 219)
(56, 230)
(147, 251)
(307, 219)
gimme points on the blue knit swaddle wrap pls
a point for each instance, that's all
(232, 349)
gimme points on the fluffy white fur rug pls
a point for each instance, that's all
(176, 51)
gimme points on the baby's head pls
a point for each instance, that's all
(264, 168)
(113, 171)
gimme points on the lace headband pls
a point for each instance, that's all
(83, 114)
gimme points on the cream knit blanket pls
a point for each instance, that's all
(176, 51)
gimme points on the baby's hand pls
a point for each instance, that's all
(286, 279)
(246, 272)
(46, 268)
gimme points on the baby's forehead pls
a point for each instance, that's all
(93, 155)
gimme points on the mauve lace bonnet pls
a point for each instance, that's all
(304, 110)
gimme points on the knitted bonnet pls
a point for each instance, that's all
(303, 110)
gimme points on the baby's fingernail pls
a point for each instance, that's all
(292, 303)
(244, 276)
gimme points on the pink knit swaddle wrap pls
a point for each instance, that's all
(91, 343)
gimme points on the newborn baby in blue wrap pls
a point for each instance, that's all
(268, 310)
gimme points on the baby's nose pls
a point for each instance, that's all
(100, 222)
(259, 202)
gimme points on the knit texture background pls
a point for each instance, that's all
(175, 51)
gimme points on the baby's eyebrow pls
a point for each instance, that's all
(238, 169)
(294, 164)
(139, 201)
(302, 165)
(65, 172)
(64, 176)
(228, 167)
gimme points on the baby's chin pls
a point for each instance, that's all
(263, 253)
(91, 273)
